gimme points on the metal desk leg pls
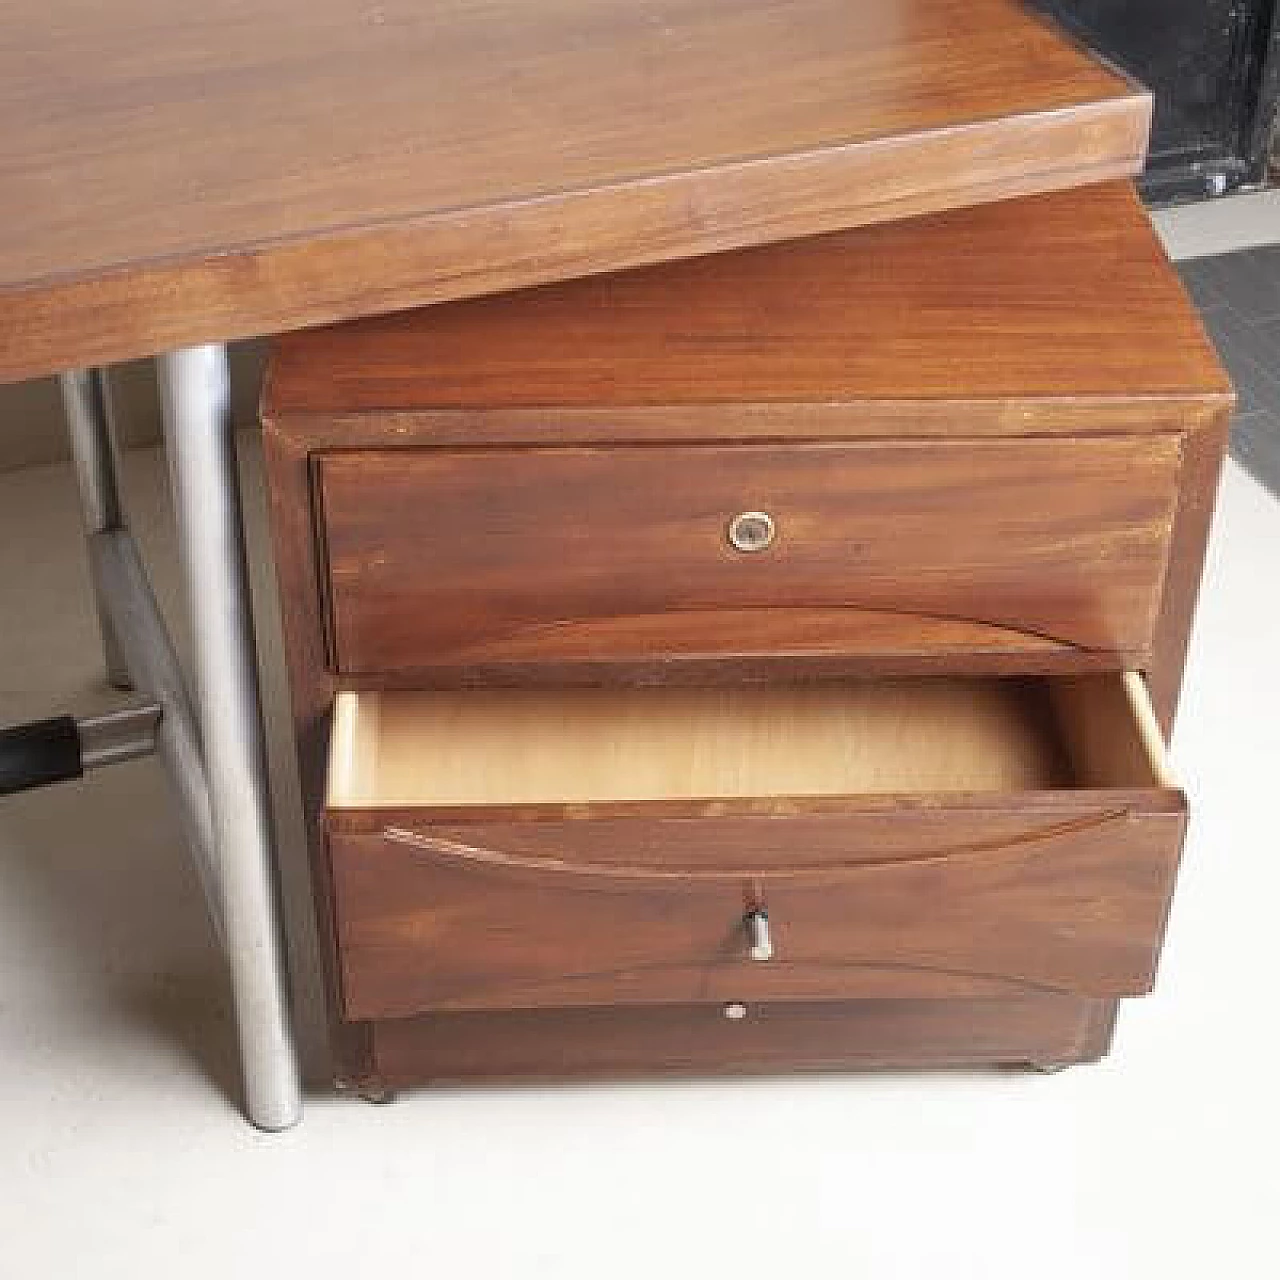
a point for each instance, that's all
(86, 399)
(216, 762)
(201, 449)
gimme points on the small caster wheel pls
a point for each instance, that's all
(1049, 1068)
(369, 1092)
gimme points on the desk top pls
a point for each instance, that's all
(172, 174)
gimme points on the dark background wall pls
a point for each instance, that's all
(1214, 66)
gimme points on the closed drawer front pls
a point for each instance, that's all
(931, 838)
(970, 551)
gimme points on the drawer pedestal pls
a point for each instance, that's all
(842, 584)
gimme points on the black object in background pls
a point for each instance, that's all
(1214, 67)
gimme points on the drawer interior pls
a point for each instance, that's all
(857, 737)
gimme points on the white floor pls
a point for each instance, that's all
(121, 1155)
(1207, 227)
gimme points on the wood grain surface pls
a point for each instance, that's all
(691, 1039)
(575, 746)
(447, 917)
(1136, 365)
(1203, 452)
(443, 560)
(171, 175)
(1060, 297)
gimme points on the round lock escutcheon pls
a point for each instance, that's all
(752, 531)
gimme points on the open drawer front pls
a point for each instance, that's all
(930, 837)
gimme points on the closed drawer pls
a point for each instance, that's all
(937, 837)
(1046, 550)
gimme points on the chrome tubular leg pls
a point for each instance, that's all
(86, 399)
(201, 450)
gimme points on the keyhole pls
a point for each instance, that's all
(751, 531)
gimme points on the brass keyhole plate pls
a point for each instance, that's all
(752, 531)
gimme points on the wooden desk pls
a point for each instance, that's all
(174, 176)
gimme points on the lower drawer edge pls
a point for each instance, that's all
(692, 1040)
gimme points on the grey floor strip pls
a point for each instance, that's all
(1239, 297)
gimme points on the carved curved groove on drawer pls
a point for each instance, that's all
(453, 851)
(770, 628)
(873, 980)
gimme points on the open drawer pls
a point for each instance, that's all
(934, 837)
